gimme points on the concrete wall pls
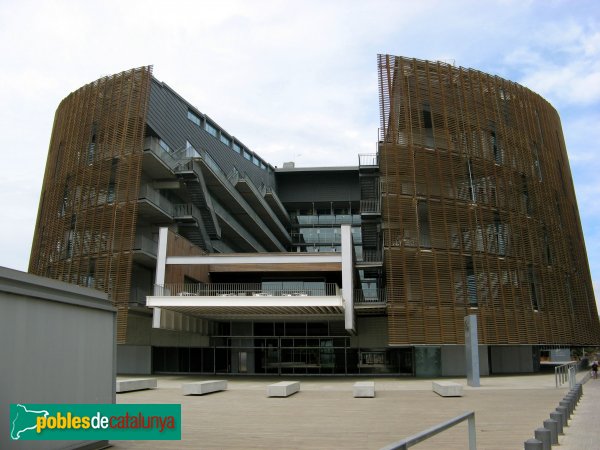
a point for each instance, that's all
(512, 359)
(136, 356)
(453, 361)
(371, 333)
(58, 346)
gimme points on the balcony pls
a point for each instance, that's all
(370, 207)
(224, 192)
(145, 249)
(248, 299)
(153, 205)
(370, 301)
(368, 161)
(158, 162)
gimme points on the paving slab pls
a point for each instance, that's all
(326, 416)
(583, 432)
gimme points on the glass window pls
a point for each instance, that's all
(533, 287)
(326, 219)
(263, 166)
(164, 146)
(211, 129)
(190, 151)
(237, 148)
(471, 282)
(225, 140)
(247, 155)
(423, 217)
(255, 161)
(92, 149)
(193, 117)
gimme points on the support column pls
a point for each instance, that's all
(472, 350)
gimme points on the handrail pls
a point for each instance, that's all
(370, 159)
(244, 289)
(566, 372)
(430, 432)
(370, 296)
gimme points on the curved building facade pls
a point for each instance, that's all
(86, 223)
(479, 211)
(468, 207)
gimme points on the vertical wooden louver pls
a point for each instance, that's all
(479, 211)
(86, 221)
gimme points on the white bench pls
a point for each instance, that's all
(447, 388)
(136, 384)
(283, 389)
(204, 387)
(363, 389)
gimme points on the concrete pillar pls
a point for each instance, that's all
(472, 350)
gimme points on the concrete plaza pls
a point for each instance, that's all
(324, 414)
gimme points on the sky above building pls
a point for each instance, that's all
(293, 80)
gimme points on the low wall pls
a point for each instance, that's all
(58, 346)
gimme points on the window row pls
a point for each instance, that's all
(228, 141)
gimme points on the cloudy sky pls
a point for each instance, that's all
(293, 80)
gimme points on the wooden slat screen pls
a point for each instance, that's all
(86, 221)
(479, 209)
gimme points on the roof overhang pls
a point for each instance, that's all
(227, 305)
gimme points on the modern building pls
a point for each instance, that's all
(218, 262)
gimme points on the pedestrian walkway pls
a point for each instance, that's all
(324, 414)
(583, 432)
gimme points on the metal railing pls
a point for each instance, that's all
(370, 296)
(371, 255)
(566, 372)
(145, 244)
(168, 158)
(244, 290)
(153, 196)
(370, 206)
(370, 160)
(430, 432)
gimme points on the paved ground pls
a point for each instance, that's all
(324, 415)
(583, 432)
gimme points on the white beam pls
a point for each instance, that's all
(348, 277)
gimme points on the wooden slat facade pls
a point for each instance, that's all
(479, 209)
(86, 222)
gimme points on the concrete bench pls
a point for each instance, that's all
(136, 384)
(283, 389)
(447, 388)
(204, 387)
(363, 389)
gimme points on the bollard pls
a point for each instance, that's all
(563, 412)
(566, 405)
(559, 421)
(533, 444)
(552, 425)
(543, 435)
(572, 403)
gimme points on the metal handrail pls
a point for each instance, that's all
(370, 206)
(243, 289)
(370, 159)
(370, 296)
(565, 372)
(430, 432)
